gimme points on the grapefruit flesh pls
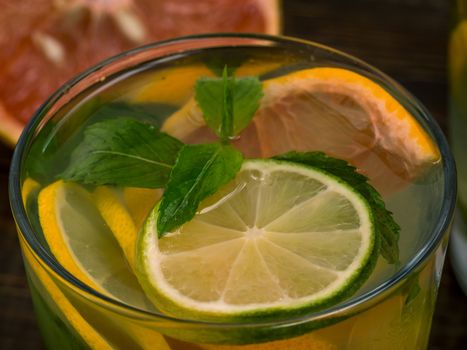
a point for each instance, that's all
(43, 43)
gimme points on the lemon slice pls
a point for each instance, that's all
(92, 338)
(175, 85)
(334, 110)
(124, 212)
(83, 244)
(282, 238)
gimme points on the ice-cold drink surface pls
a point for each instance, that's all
(307, 106)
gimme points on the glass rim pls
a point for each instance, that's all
(25, 229)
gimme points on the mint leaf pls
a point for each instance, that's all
(123, 152)
(199, 172)
(411, 290)
(228, 100)
(386, 227)
(228, 108)
(51, 149)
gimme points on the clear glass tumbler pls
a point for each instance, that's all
(393, 310)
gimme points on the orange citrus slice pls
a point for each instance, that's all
(333, 110)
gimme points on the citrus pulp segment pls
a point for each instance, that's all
(334, 110)
(282, 238)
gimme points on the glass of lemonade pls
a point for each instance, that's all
(281, 255)
(458, 130)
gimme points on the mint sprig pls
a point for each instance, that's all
(226, 127)
(199, 172)
(386, 227)
(228, 104)
(123, 152)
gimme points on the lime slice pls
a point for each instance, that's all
(83, 244)
(281, 239)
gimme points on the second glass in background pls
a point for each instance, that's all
(458, 134)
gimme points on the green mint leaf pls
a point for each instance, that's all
(212, 96)
(199, 172)
(411, 290)
(42, 153)
(123, 152)
(51, 150)
(386, 227)
(228, 108)
(53, 145)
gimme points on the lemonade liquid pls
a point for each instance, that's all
(152, 93)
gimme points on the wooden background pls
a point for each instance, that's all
(407, 39)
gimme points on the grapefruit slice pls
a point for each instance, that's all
(333, 110)
(58, 39)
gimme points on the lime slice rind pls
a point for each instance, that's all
(263, 279)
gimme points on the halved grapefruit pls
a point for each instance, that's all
(43, 43)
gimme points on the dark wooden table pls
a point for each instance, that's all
(405, 38)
